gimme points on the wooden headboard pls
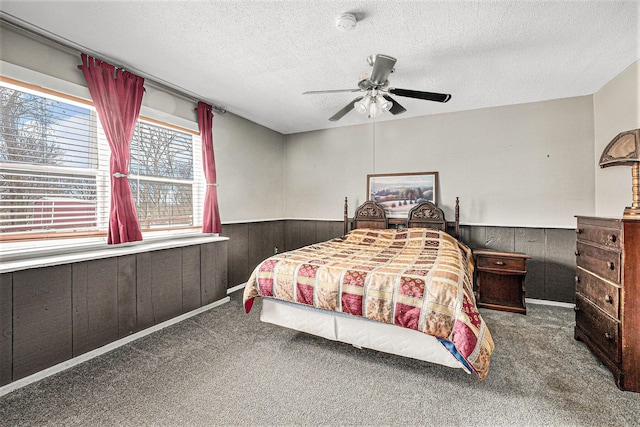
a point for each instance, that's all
(427, 215)
(424, 214)
(370, 215)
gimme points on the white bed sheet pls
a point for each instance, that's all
(359, 332)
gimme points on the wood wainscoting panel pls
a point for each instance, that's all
(299, 233)
(308, 233)
(292, 238)
(127, 295)
(531, 241)
(42, 321)
(559, 265)
(327, 230)
(191, 298)
(6, 328)
(278, 234)
(166, 284)
(475, 235)
(213, 272)
(238, 235)
(144, 291)
(486, 237)
(500, 238)
(95, 304)
(220, 269)
(51, 314)
(251, 243)
(264, 238)
(261, 238)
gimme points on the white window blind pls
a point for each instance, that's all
(54, 168)
(48, 163)
(162, 177)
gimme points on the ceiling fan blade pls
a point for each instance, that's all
(429, 96)
(313, 92)
(337, 116)
(382, 67)
(395, 108)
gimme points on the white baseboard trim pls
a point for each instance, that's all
(547, 302)
(236, 288)
(105, 349)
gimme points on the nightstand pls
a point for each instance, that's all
(500, 280)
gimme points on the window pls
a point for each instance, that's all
(54, 168)
(48, 164)
(161, 176)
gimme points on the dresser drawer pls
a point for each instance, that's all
(603, 262)
(601, 293)
(499, 264)
(600, 328)
(599, 232)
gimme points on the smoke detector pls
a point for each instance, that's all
(346, 22)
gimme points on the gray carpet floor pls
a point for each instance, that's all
(223, 367)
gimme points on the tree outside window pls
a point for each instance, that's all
(162, 160)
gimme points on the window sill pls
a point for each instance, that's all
(24, 255)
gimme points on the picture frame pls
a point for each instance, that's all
(397, 193)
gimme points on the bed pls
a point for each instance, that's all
(406, 290)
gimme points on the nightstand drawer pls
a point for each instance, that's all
(600, 233)
(499, 264)
(605, 263)
(601, 293)
(600, 328)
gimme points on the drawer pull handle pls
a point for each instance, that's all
(577, 279)
(609, 299)
(499, 263)
(612, 238)
(611, 265)
(577, 253)
(608, 336)
(578, 231)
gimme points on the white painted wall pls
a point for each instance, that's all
(617, 109)
(250, 166)
(324, 166)
(249, 157)
(521, 165)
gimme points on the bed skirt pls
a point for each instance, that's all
(359, 332)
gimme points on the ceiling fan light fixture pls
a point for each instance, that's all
(383, 104)
(363, 105)
(374, 110)
(372, 105)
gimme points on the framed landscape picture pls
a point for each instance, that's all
(397, 193)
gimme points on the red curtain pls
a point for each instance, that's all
(117, 96)
(211, 215)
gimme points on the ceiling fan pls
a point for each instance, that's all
(376, 85)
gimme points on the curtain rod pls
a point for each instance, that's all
(59, 42)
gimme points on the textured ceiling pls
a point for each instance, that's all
(255, 58)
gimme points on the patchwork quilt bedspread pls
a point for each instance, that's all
(415, 278)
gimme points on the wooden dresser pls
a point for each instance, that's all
(608, 295)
